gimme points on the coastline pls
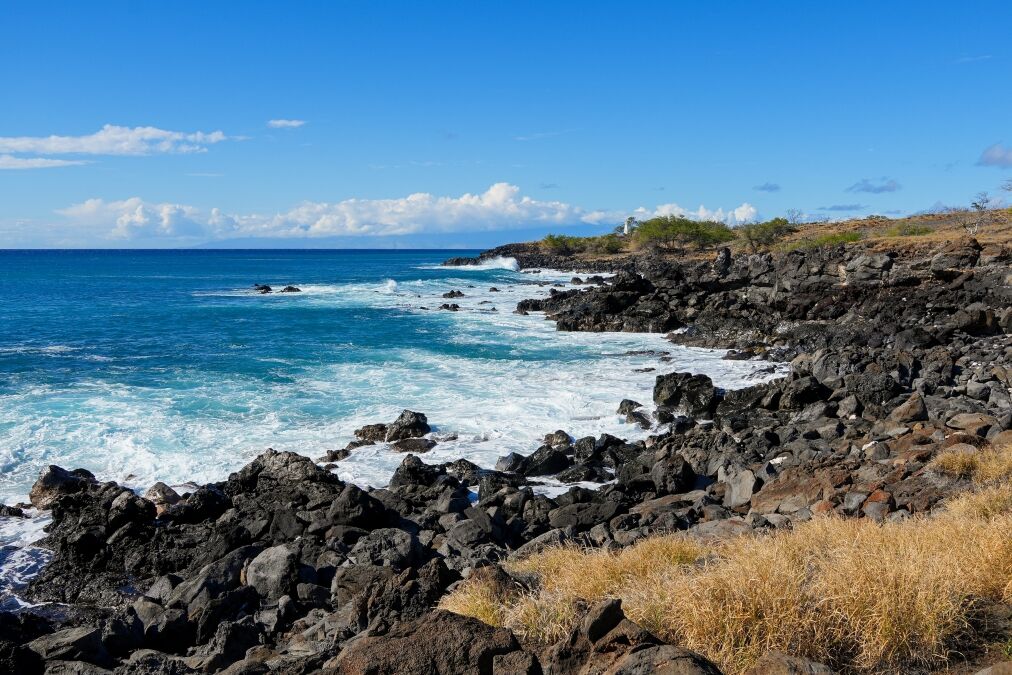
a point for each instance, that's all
(283, 567)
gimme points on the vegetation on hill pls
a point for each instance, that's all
(984, 218)
(561, 244)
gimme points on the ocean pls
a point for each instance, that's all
(147, 366)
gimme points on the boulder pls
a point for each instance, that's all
(54, 482)
(162, 496)
(409, 424)
(355, 507)
(416, 445)
(912, 410)
(802, 391)
(372, 432)
(693, 393)
(272, 573)
(386, 547)
(865, 268)
(72, 644)
(438, 643)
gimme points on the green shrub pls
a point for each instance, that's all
(762, 235)
(561, 244)
(827, 240)
(908, 230)
(679, 232)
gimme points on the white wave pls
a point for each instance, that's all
(534, 381)
(497, 263)
(47, 350)
(20, 559)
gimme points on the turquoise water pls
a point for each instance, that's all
(165, 365)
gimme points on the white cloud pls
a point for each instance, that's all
(115, 140)
(10, 162)
(741, 214)
(500, 207)
(285, 124)
(996, 155)
(134, 218)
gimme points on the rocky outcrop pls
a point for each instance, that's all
(285, 568)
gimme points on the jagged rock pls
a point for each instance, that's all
(54, 482)
(372, 432)
(801, 392)
(418, 445)
(408, 424)
(439, 642)
(72, 644)
(694, 393)
(955, 256)
(387, 547)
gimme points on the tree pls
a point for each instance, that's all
(761, 235)
(795, 216)
(977, 215)
(679, 232)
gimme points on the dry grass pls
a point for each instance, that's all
(987, 466)
(857, 595)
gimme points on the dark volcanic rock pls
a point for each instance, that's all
(693, 393)
(54, 482)
(439, 642)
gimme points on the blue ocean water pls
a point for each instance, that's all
(165, 365)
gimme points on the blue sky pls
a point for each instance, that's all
(469, 124)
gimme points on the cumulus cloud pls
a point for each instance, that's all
(742, 214)
(996, 155)
(10, 162)
(875, 186)
(767, 187)
(500, 207)
(134, 218)
(285, 124)
(114, 140)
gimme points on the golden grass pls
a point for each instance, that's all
(855, 594)
(986, 466)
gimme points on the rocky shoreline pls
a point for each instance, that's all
(283, 568)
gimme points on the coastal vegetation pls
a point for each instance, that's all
(985, 217)
(833, 239)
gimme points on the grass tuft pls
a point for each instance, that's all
(985, 467)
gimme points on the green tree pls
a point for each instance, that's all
(679, 232)
(761, 235)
